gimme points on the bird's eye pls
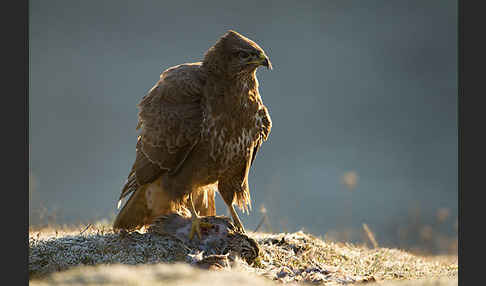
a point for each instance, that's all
(243, 55)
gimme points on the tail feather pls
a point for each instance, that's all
(134, 213)
(149, 201)
(130, 186)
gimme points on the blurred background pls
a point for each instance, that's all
(363, 98)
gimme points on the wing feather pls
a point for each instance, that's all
(170, 118)
(266, 127)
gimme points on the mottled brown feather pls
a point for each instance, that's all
(200, 126)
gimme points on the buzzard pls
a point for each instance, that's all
(201, 126)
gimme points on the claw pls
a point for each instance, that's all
(196, 222)
(196, 226)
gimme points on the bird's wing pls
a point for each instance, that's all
(263, 119)
(143, 172)
(266, 127)
(170, 120)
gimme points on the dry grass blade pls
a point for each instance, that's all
(370, 235)
(86, 228)
(287, 257)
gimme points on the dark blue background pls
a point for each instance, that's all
(363, 86)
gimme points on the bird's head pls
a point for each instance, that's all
(233, 53)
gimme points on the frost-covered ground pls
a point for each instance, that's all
(95, 255)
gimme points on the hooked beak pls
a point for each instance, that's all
(261, 60)
(265, 61)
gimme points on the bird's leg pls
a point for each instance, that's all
(196, 220)
(236, 219)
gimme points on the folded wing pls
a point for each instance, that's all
(170, 119)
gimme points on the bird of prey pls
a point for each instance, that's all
(201, 126)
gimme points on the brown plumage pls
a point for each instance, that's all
(201, 127)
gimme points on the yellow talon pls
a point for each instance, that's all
(196, 221)
(196, 226)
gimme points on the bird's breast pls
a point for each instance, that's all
(231, 138)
